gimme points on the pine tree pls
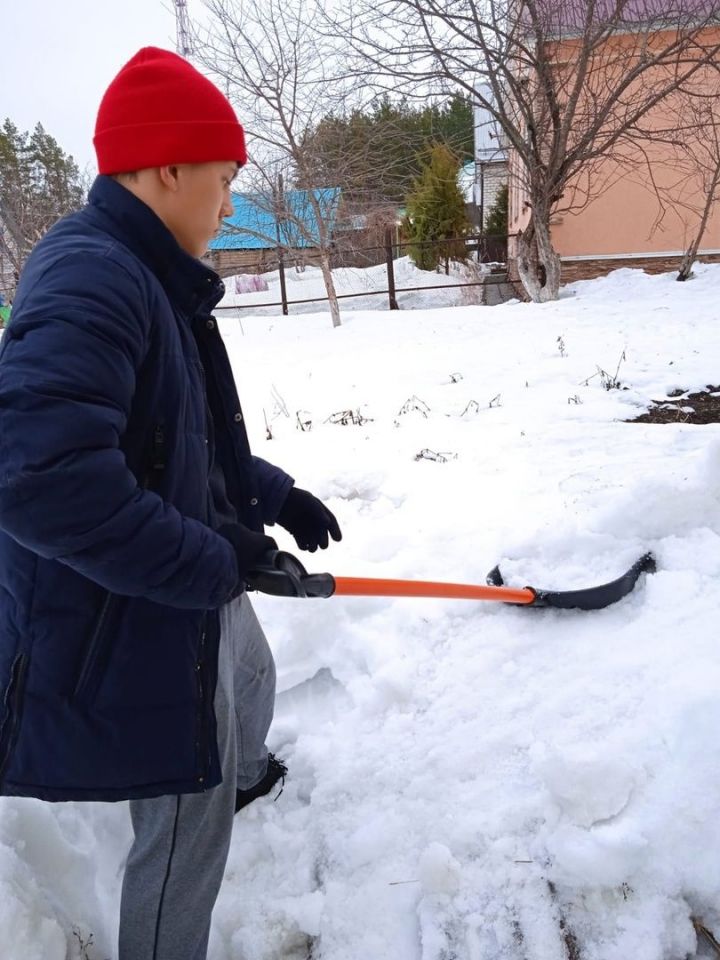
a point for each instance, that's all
(39, 183)
(436, 211)
(375, 155)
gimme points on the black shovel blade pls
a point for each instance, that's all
(589, 598)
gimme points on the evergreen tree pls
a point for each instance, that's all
(375, 156)
(436, 211)
(39, 183)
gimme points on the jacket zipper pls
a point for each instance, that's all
(201, 742)
(13, 704)
(158, 456)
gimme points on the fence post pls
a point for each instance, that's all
(283, 289)
(390, 270)
(279, 204)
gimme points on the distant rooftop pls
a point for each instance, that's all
(256, 225)
(564, 15)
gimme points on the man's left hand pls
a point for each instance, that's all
(308, 520)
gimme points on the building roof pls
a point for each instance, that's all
(559, 16)
(258, 224)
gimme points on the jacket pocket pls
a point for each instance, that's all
(92, 666)
(94, 661)
(12, 704)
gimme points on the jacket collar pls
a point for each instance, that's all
(189, 284)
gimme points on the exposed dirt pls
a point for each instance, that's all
(683, 407)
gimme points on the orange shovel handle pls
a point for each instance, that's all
(371, 587)
(280, 574)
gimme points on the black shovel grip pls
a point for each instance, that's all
(280, 574)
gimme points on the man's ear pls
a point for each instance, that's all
(169, 177)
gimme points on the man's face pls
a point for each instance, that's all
(201, 201)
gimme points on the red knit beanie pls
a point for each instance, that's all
(158, 110)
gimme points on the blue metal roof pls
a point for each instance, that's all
(255, 225)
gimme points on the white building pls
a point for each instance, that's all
(491, 159)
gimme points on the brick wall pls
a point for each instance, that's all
(495, 177)
(229, 262)
(573, 270)
(589, 269)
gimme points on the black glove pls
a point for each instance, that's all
(308, 520)
(250, 547)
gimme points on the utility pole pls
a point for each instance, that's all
(184, 41)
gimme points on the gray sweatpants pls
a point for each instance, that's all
(178, 857)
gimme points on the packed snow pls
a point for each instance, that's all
(468, 780)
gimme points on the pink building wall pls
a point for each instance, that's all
(628, 219)
(622, 216)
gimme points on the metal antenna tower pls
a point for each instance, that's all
(184, 41)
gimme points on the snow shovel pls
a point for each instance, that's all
(282, 575)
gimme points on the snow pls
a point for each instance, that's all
(467, 779)
(307, 284)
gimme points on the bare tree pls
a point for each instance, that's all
(278, 71)
(13, 248)
(701, 149)
(380, 147)
(567, 82)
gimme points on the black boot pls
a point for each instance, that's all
(276, 770)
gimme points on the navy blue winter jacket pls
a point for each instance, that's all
(115, 395)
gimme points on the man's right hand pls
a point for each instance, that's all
(249, 548)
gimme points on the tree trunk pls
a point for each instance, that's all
(330, 286)
(20, 242)
(691, 253)
(538, 263)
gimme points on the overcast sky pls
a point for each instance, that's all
(58, 56)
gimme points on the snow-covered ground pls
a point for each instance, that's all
(468, 781)
(308, 285)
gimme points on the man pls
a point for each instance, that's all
(131, 511)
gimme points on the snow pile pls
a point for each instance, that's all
(467, 779)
